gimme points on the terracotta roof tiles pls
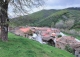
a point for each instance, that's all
(24, 29)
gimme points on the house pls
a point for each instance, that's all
(48, 39)
(63, 41)
(76, 48)
(25, 32)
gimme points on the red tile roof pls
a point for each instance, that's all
(66, 39)
(24, 29)
(48, 30)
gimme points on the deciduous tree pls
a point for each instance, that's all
(19, 5)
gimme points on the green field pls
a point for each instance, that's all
(22, 47)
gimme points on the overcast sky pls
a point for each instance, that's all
(60, 4)
(56, 4)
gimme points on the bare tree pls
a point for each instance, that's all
(60, 24)
(69, 23)
(19, 5)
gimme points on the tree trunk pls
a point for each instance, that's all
(4, 32)
(4, 21)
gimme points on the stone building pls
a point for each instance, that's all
(76, 48)
(25, 32)
(63, 41)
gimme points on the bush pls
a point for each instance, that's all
(59, 36)
(68, 48)
(73, 32)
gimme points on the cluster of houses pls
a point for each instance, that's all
(51, 36)
(45, 33)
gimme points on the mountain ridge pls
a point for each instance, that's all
(46, 17)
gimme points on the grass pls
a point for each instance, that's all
(22, 47)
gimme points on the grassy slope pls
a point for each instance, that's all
(23, 47)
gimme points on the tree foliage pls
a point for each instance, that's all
(69, 23)
(60, 24)
(68, 48)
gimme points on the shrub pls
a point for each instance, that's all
(68, 48)
(59, 36)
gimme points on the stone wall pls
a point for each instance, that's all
(60, 45)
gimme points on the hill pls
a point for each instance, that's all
(74, 8)
(47, 17)
(22, 47)
(31, 19)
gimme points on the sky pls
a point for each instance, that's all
(59, 4)
(55, 4)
